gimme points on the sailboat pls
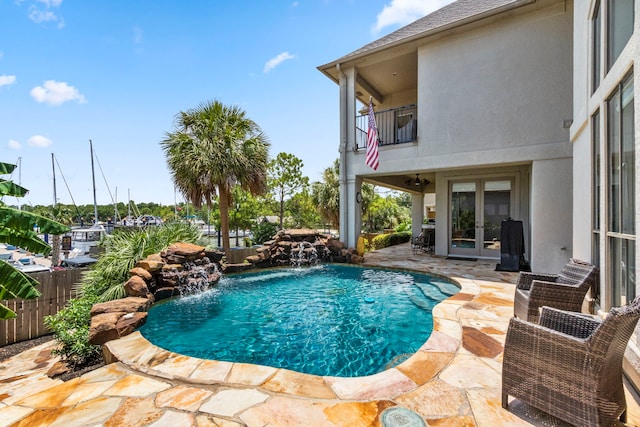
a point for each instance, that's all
(81, 241)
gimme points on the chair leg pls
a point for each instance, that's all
(623, 416)
(505, 400)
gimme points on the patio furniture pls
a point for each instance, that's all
(570, 365)
(565, 290)
(425, 241)
(418, 243)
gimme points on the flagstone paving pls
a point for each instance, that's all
(453, 380)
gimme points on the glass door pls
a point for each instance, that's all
(463, 219)
(478, 208)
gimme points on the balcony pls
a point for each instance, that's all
(395, 126)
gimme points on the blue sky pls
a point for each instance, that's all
(118, 71)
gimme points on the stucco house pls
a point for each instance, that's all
(500, 109)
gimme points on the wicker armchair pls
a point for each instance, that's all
(570, 365)
(565, 290)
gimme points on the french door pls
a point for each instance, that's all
(477, 209)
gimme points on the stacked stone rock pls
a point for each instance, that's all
(303, 247)
(181, 268)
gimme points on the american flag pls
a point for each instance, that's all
(372, 140)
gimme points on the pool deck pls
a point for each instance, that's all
(453, 380)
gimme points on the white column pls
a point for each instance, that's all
(417, 213)
(349, 209)
(551, 213)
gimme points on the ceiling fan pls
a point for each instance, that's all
(417, 182)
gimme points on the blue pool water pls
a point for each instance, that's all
(332, 320)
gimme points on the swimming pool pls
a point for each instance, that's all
(332, 320)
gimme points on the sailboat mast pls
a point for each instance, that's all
(53, 168)
(93, 177)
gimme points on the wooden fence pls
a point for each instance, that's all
(55, 289)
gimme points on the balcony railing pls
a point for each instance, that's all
(395, 126)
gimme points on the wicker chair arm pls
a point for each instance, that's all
(575, 324)
(525, 279)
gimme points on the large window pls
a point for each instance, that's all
(621, 191)
(614, 36)
(595, 190)
(620, 27)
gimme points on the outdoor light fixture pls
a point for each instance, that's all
(417, 182)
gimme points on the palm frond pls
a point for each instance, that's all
(6, 168)
(8, 188)
(15, 284)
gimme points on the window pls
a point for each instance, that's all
(621, 191)
(596, 56)
(596, 186)
(619, 26)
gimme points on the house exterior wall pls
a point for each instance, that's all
(491, 97)
(585, 103)
(503, 87)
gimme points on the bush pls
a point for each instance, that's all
(405, 226)
(392, 239)
(71, 328)
(263, 232)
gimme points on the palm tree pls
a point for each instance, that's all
(326, 194)
(17, 228)
(214, 148)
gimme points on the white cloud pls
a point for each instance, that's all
(403, 12)
(39, 141)
(274, 62)
(6, 80)
(1, 54)
(138, 35)
(14, 145)
(45, 14)
(56, 93)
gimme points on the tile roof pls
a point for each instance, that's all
(453, 14)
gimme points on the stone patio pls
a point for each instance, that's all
(453, 380)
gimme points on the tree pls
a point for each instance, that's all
(326, 194)
(286, 179)
(61, 214)
(17, 228)
(214, 148)
(302, 211)
(384, 212)
(243, 215)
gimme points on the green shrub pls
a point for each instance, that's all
(71, 329)
(391, 239)
(405, 226)
(263, 232)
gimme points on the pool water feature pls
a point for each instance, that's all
(331, 320)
